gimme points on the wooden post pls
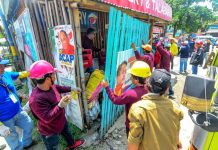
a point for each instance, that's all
(76, 20)
(64, 12)
(50, 14)
(151, 31)
(76, 56)
(47, 13)
(56, 11)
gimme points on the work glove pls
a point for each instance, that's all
(76, 90)
(4, 131)
(64, 101)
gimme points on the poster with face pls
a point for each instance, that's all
(63, 48)
(25, 38)
(124, 62)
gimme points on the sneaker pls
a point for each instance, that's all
(171, 97)
(32, 144)
(77, 144)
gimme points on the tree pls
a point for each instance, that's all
(188, 16)
(214, 5)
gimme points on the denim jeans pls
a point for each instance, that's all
(194, 69)
(23, 121)
(171, 92)
(183, 65)
(51, 142)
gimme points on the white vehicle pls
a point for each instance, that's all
(205, 37)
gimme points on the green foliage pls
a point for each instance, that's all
(190, 17)
(214, 5)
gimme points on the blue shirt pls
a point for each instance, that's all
(8, 109)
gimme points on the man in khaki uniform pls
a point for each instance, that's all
(155, 120)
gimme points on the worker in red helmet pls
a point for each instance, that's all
(148, 55)
(197, 57)
(47, 106)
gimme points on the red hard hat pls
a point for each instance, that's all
(200, 42)
(40, 68)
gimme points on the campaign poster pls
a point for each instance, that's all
(63, 49)
(125, 60)
(64, 54)
(24, 36)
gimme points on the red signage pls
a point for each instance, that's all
(156, 8)
(157, 30)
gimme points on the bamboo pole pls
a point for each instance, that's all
(50, 14)
(56, 11)
(151, 31)
(64, 12)
(54, 14)
(76, 21)
(76, 57)
(47, 13)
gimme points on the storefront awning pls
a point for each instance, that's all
(156, 8)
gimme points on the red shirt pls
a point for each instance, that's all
(165, 57)
(128, 98)
(44, 106)
(148, 58)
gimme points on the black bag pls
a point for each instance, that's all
(195, 59)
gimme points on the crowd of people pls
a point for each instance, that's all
(152, 119)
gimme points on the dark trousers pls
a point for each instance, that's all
(171, 92)
(127, 132)
(51, 142)
(172, 62)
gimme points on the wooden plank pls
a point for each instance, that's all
(76, 57)
(64, 12)
(151, 31)
(60, 12)
(47, 13)
(50, 14)
(56, 12)
(77, 28)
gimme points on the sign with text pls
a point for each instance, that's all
(156, 8)
(63, 49)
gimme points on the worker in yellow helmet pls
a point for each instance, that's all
(139, 71)
(148, 55)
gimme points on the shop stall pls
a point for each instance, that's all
(41, 25)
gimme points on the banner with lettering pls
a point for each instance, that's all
(63, 49)
(156, 8)
(64, 54)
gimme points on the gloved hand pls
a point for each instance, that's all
(4, 131)
(64, 101)
(76, 89)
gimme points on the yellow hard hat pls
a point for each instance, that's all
(147, 47)
(140, 69)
